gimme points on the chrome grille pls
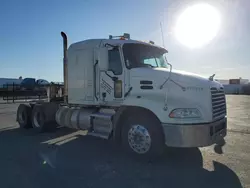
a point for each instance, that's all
(218, 102)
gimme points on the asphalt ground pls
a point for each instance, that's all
(67, 158)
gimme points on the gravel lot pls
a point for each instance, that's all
(69, 159)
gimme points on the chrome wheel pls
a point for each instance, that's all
(139, 139)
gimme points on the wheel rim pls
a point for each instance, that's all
(139, 139)
(38, 119)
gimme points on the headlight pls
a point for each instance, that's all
(185, 113)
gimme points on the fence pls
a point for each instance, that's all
(14, 92)
(246, 89)
(237, 89)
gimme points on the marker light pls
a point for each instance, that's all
(118, 89)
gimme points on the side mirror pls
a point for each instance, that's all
(103, 59)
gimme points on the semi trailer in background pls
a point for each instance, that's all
(125, 90)
(32, 83)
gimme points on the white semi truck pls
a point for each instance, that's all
(125, 90)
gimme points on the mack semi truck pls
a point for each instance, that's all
(123, 89)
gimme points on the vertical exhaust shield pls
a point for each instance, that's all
(65, 66)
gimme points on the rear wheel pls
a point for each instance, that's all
(143, 135)
(39, 119)
(24, 116)
(43, 117)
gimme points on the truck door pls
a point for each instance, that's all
(112, 81)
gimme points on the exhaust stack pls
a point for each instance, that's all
(65, 66)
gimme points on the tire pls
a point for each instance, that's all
(147, 125)
(39, 123)
(43, 117)
(24, 116)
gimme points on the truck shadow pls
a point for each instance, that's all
(68, 159)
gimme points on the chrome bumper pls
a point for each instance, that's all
(198, 135)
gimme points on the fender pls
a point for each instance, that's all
(123, 112)
(116, 120)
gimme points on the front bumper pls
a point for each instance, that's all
(198, 135)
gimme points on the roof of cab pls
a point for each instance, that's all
(93, 43)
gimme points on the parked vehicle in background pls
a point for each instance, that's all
(9, 81)
(28, 83)
(38, 86)
(42, 82)
(32, 83)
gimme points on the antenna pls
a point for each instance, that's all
(169, 76)
(162, 35)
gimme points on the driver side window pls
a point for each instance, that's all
(115, 64)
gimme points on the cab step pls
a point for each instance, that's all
(102, 124)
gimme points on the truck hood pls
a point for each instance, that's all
(161, 74)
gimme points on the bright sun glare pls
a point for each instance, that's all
(197, 25)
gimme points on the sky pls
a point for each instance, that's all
(31, 45)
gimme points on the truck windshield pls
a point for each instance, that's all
(140, 55)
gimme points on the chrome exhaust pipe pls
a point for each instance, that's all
(65, 66)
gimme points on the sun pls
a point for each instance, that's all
(197, 25)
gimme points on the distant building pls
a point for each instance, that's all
(234, 86)
(224, 82)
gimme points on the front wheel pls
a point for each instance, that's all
(143, 135)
